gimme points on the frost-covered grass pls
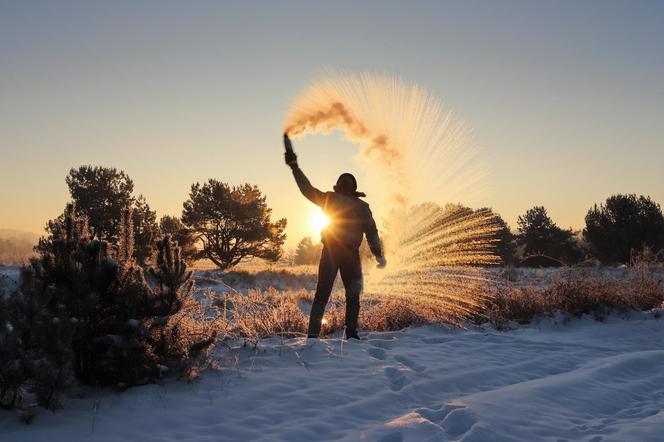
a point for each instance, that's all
(261, 301)
(575, 292)
(279, 303)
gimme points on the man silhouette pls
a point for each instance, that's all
(350, 219)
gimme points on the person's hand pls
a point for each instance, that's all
(289, 156)
(381, 262)
(291, 159)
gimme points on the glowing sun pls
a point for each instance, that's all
(318, 221)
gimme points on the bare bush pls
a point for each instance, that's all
(260, 315)
(392, 314)
(579, 294)
(263, 314)
(520, 304)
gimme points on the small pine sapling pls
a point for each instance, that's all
(181, 332)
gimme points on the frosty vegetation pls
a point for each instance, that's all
(84, 311)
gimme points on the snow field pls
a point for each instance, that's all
(582, 380)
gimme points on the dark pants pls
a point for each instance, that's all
(345, 260)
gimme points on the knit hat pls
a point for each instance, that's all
(350, 175)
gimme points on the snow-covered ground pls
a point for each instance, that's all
(582, 380)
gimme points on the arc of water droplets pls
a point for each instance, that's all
(416, 152)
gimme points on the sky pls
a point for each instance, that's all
(565, 98)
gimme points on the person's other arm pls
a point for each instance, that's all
(308, 190)
(371, 232)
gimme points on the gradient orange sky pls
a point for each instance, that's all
(566, 98)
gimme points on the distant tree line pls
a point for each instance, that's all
(228, 224)
(624, 223)
(614, 231)
(222, 223)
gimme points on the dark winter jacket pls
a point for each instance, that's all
(350, 217)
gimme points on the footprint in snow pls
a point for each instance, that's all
(455, 419)
(396, 379)
(377, 353)
(410, 364)
(436, 340)
(381, 343)
(437, 414)
(458, 422)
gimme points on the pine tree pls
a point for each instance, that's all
(175, 337)
(100, 193)
(232, 223)
(146, 230)
(172, 225)
(622, 225)
(307, 252)
(13, 358)
(84, 310)
(539, 235)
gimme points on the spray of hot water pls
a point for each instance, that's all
(423, 160)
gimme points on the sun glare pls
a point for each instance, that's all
(319, 221)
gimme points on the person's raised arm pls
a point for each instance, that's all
(310, 192)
